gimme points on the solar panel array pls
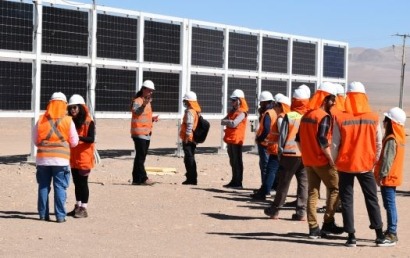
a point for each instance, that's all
(175, 54)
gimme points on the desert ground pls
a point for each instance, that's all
(167, 219)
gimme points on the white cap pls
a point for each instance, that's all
(282, 99)
(190, 96)
(356, 87)
(265, 96)
(237, 94)
(397, 115)
(58, 96)
(306, 89)
(76, 99)
(301, 93)
(340, 90)
(148, 84)
(328, 87)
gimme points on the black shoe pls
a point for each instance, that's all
(258, 196)
(234, 186)
(298, 217)
(72, 213)
(45, 218)
(189, 182)
(351, 241)
(384, 242)
(314, 233)
(332, 228)
(290, 204)
(321, 210)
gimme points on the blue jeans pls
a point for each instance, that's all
(271, 170)
(61, 179)
(389, 203)
(263, 160)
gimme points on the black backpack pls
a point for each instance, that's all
(201, 130)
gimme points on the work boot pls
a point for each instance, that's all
(331, 228)
(74, 211)
(82, 213)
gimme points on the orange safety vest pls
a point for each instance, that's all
(312, 154)
(261, 128)
(141, 124)
(182, 131)
(357, 149)
(395, 175)
(53, 135)
(291, 149)
(235, 135)
(273, 136)
(82, 155)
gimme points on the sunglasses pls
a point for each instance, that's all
(72, 107)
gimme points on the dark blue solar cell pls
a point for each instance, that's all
(333, 62)
(304, 58)
(209, 92)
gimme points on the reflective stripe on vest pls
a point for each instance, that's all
(55, 142)
(291, 147)
(141, 124)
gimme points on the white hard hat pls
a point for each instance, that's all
(58, 96)
(265, 96)
(306, 89)
(237, 94)
(397, 115)
(328, 87)
(76, 99)
(282, 99)
(340, 90)
(356, 87)
(190, 96)
(148, 84)
(302, 92)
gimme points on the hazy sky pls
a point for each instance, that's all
(361, 23)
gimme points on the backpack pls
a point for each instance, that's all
(201, 130)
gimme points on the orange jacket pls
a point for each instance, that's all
(53, 135)
(291, 149)
(312, 154)
(357, 149)
(182, 131)
(141, 124)
(273, 117)
(273, 136)
(82, 155)
(395, 174)
(235, 135)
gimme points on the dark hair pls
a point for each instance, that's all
(389, 126)
(81, 116)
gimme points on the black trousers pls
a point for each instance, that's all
(189, 161)
(139, 175)
(81, 190)
(235, 159)
(369, 189)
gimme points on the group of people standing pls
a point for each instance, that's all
(331, 137)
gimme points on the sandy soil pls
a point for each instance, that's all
(167, 219)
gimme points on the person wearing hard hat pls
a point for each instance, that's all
(291, 159)
(358, 137)
(141, 130)
(340, 98)
(82, 156)
(54, 134)
(389, 169)
(235, 122)
(281, 107)
(189, 124)
(314, 142)
(267, 118)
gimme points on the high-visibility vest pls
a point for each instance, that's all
(291, 149)
(141, 124)
(235, 135)
(273, 136)
(182, 131)
(312, 154)
(273, 117)
(82, 155)
(357, 149)
(395, 174)
(53, 136)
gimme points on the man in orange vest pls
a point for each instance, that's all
(314, 137)
(53, 135)
(141, 130)
(358, 138)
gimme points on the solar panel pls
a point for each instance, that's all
(209, 92)
(207, 47)
(249, 87)
(333, 62)
(16, 26)
(115, 89)
(117, 37)
(304, 58)
(65, 31)
(15, 86)
(165, 98)
(275, 87)
(162, 42)
(274, 55)
(243, 51)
